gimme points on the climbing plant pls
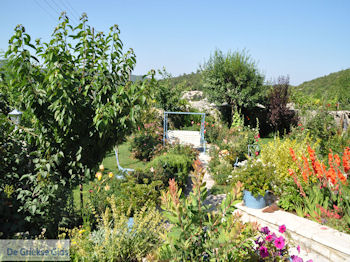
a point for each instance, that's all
(75, 90)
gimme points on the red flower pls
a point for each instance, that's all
(256, 153)
(282, 229)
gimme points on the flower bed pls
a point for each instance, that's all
(317, 242)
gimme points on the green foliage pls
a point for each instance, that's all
(114, 239)
(321, 127)
(331, 90)
(144, 142)
(129, 194)
(257, 177)
(167, 96)
(232, 78)
(171, 165)
(277, 154)
(75, 92)
(237, 120)
(192, 81)
(199, 235)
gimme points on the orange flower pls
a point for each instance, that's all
(292, 153)
(337, 160)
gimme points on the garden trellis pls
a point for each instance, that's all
(165, 124)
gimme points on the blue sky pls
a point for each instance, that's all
(303, 39)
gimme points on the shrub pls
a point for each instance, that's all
(280, 116)
(116, 240)
(171, 165)
(145, 140)
(276, 154)
(126, 191)
(199, 235)
(257, 177)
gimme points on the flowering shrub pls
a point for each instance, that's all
(276, 154)
(324, 189)
(270, 247)
(145, 140)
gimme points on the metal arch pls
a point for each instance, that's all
(165, 126)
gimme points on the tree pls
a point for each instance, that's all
(280, 116)
(232, 78)
(75, 90)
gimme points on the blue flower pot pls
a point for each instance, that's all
(253, 202)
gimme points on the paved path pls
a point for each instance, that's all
(193, 138)
(185, 137)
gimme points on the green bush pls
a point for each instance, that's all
(114, 239)
(256, 177)
(125, 190)
(196, 233)
(170, 165)
(144, 142)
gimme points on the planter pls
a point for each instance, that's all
(253, 202)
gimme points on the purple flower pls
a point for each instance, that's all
(263, 252)
(274, 236)
(282, 229)
(269, 238)
(279, 242)
(265, 230)
(296, 259)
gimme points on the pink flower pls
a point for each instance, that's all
(192, 122)
(298, 248)
(279, 242)
(265, 230)
(258, 135)
(282, 229)
(198, 124)
(263, 252)
(269, 238)
(205, 131)
(256, 153)
(212, 125)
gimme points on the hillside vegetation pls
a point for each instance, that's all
(329, 91)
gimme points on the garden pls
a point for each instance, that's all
(59, 179)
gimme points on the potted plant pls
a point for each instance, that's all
(257, 179)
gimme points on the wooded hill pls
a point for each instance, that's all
(328, 90)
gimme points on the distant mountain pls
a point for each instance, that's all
(326, 90)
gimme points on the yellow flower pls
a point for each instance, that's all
(110, 174)
(99, 175)
(81, 231)
(102, 168)
(74, 242)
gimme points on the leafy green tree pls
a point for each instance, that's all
(76, 92)
(232, 79)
